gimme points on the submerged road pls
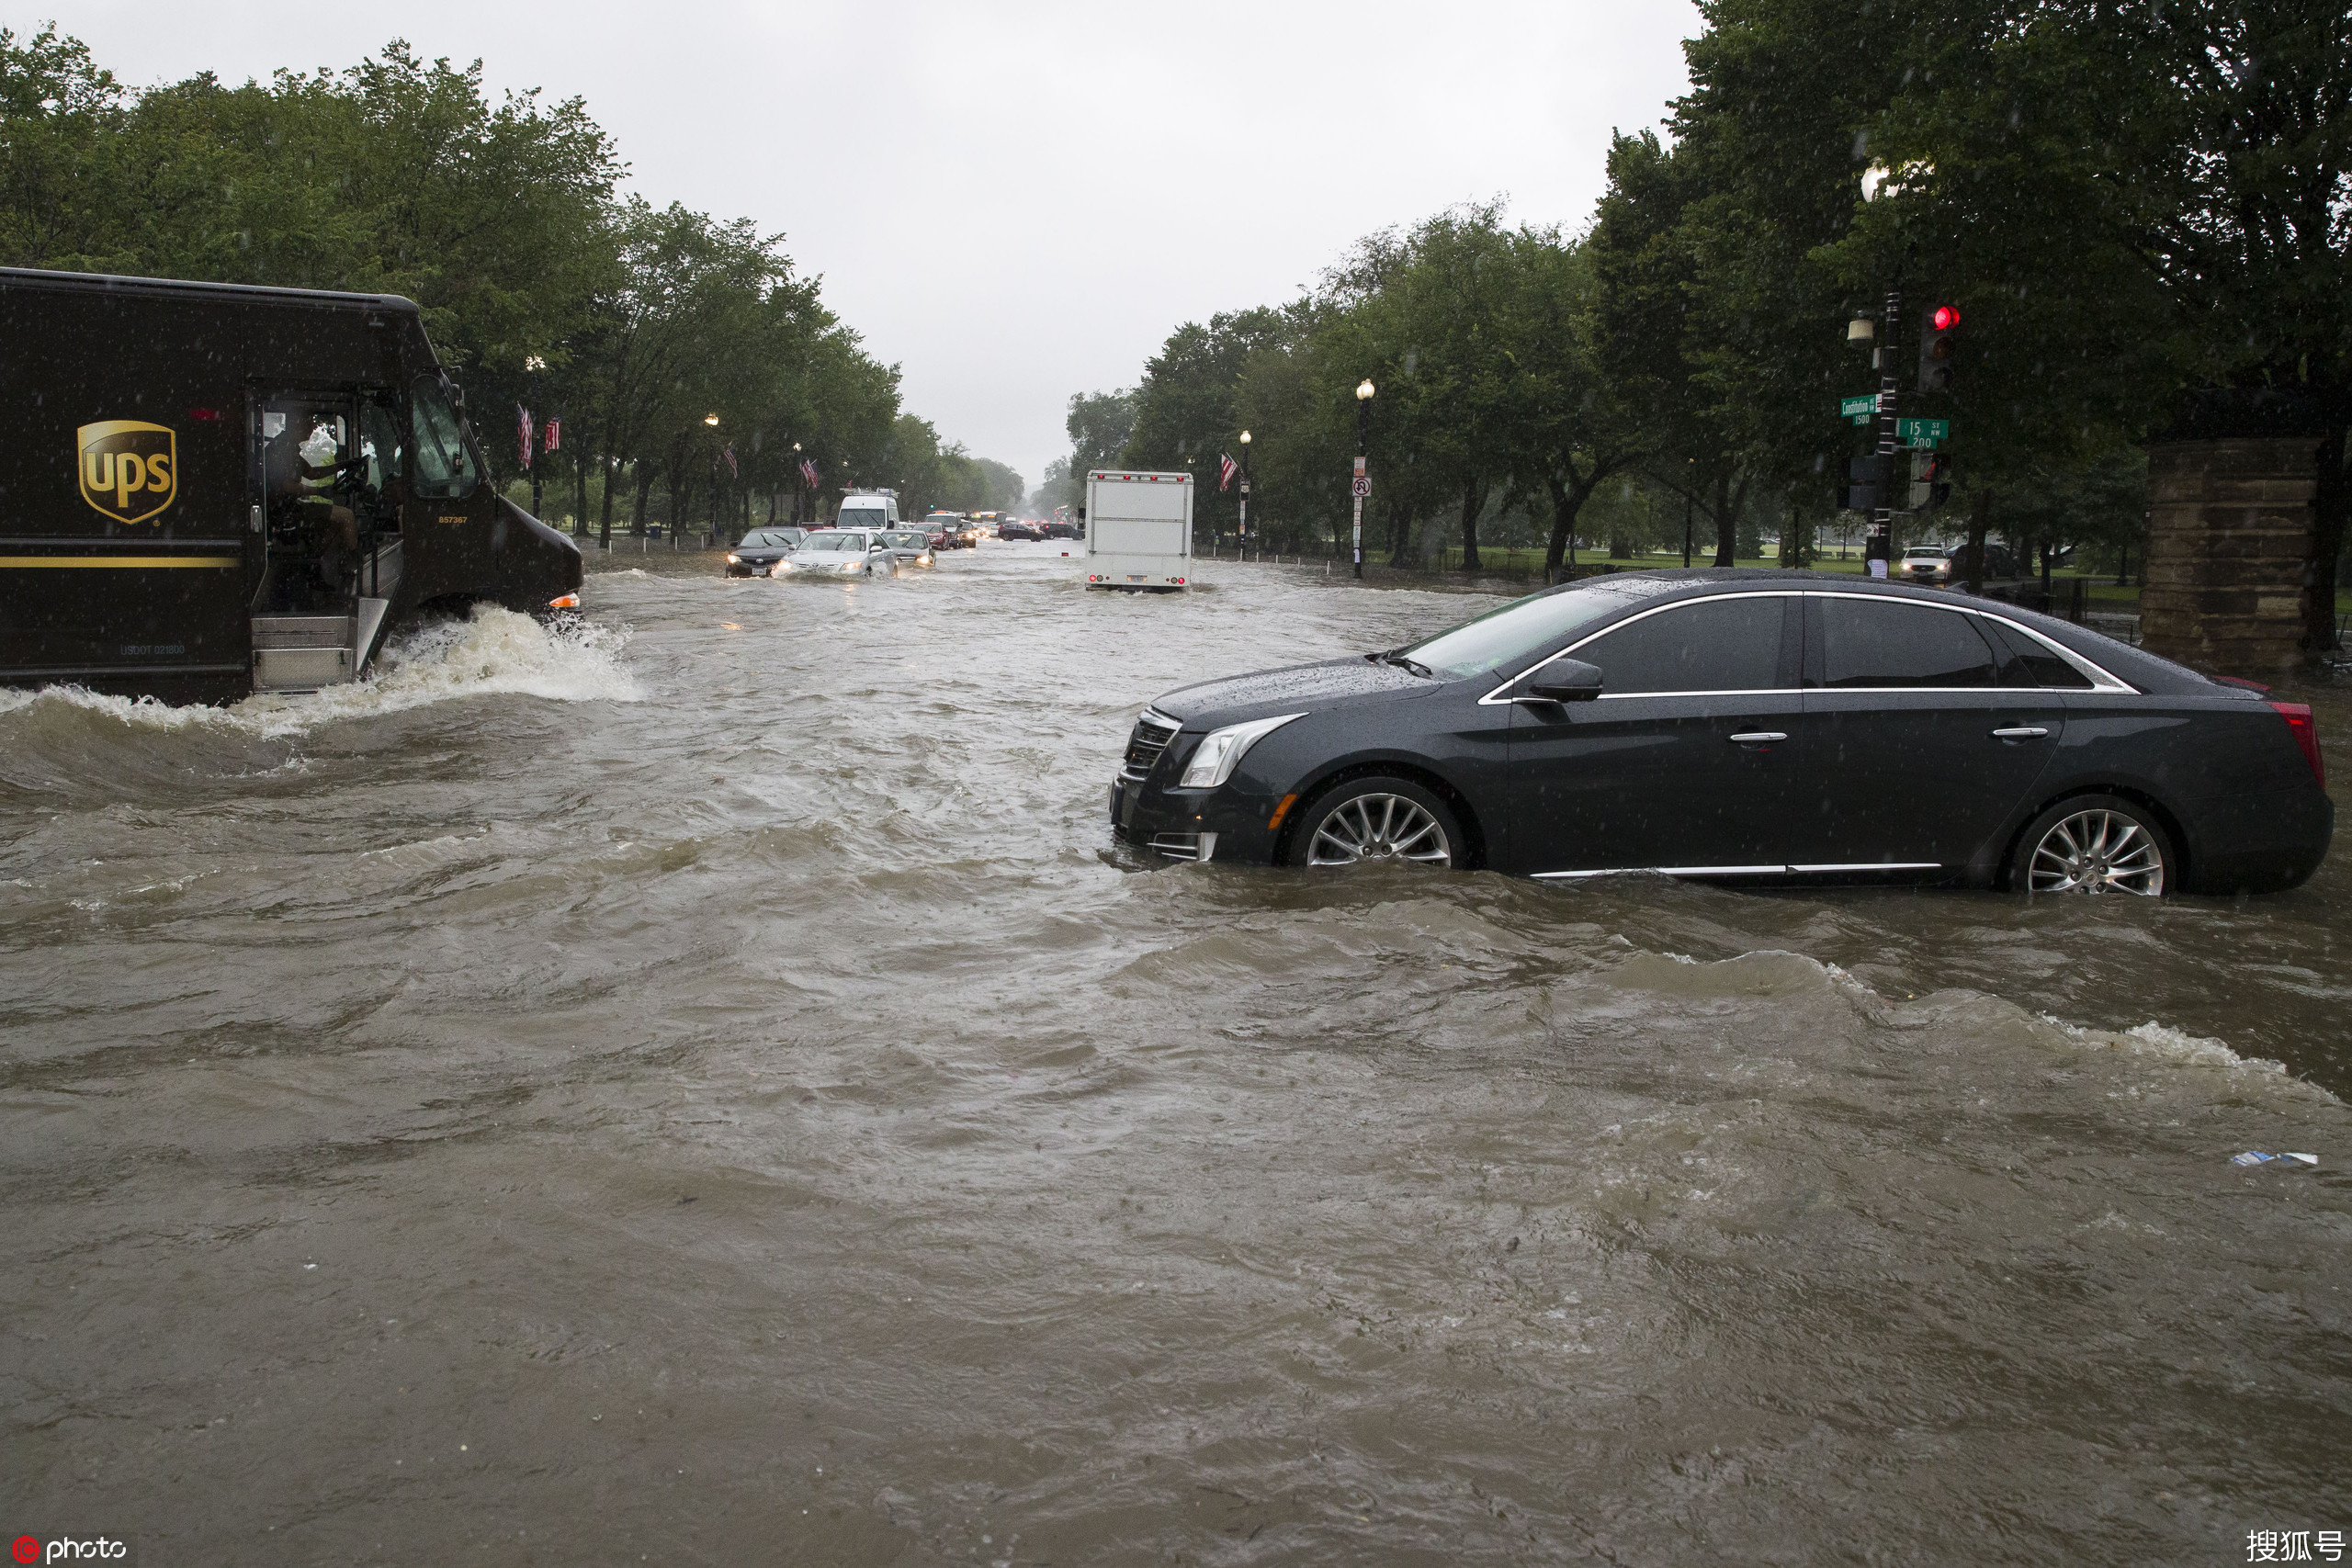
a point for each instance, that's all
(704, 1090)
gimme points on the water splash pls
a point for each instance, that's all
(492, 652)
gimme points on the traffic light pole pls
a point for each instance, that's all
(1880, 546)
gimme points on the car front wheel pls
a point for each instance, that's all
(1377, 818)
(2093, 843)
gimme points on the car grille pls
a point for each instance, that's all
(1181, 846)
(1152, 733)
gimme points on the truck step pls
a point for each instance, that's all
(303, 653)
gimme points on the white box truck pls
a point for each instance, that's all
(1138, 530)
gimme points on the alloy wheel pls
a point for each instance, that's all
(2096, 851)
(1380, 827)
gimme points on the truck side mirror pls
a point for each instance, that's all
(1566, 681)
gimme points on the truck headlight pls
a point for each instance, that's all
(1221, 752)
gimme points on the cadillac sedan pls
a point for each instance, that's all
(1757, 728)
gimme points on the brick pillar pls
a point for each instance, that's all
(2229, 539)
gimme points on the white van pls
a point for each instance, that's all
(868, 509)
(1138, 530)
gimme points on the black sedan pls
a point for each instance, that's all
(1758, 727)
(761, 549)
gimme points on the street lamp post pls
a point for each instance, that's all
(534, 365)
(711, 422)
(1690, 474)
(799, 482)
(1363, 487)
(1245, 492)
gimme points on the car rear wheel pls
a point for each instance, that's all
(2093, 843)
(1377, 818)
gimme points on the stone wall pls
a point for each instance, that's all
(2229, 540)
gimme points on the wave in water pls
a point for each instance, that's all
(492, 652)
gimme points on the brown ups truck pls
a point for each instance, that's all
(208, 490)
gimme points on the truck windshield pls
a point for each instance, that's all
(445, 466)
(861, 519)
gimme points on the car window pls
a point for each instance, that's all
(1526, 626)
(2031, 664)
(1885, 642)
(829, 542)
(1722, 645)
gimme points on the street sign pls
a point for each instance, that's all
(1359, 466)
(1862, 419)
(1933, 429)
(1362, 485)
(1865, 404)
(1245, 487)
(1921, 444)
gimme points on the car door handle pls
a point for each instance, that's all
(1758, 736)
(2020, 732)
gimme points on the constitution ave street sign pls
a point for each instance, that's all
(1362, 485)
(1865, 404)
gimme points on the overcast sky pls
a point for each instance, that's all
(1017, 201)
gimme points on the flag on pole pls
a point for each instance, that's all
(809, 471)
(523, 432)
(555, 434)
(1225, 469)
(730, 455)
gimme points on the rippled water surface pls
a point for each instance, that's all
(703, 1088)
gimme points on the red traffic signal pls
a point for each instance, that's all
(1935, 349)
(1945, 317)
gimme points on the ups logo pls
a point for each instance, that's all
(129, 469)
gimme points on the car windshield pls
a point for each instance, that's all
(766, 539)
(835, 542)
(905, 541)
(1923, 553)
(1526, 626)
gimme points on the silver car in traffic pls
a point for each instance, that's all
(840, 552)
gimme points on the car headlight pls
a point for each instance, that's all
(923, 559)
(1217, 755)
(734, 560)
(852, 566)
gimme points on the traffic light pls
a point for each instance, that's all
(1869, 478)
(1936, 348)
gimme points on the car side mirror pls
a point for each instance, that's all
(1566, 681)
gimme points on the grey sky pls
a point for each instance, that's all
(1018, 201)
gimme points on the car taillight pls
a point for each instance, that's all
(2298, 723)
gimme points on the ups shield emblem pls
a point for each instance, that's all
(129, 469)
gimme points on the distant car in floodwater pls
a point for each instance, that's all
(1754, 728)
(761, 550)
(840, 552)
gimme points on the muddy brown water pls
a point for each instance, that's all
(704, 1090)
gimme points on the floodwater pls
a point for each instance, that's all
(704, 1090)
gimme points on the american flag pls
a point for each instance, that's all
(555, 434)
(1225, 469)
(809, 471)
(730, 455)
(523, 432)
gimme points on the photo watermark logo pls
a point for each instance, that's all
(31, 1549)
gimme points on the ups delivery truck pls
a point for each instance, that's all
(208, 490)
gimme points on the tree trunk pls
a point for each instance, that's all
(1474, 502)
(1400, 533)
(2331, 496)
(1726, 520)
(1980, 521)
(579, 490)
(644, 496)
(612, 476)
(1794, 536)
(1568, 500)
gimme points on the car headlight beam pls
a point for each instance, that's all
(1221, 751)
